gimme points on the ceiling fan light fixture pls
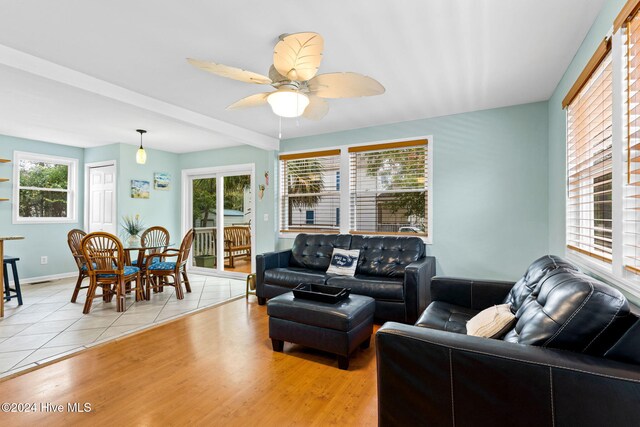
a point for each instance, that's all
(141, 155)
(288, 103)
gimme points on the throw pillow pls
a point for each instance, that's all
(344, 262)
(492, 322)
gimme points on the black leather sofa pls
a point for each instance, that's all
(572, 359)
(395, 271)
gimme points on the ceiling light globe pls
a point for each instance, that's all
(141, 156)
(287, 103)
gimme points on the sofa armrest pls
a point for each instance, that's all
(267, 261)
(474, 294)
(417, 282)
(427, 376)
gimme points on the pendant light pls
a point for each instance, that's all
(141, 155)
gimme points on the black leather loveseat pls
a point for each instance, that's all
(393, 270)
(572, 359)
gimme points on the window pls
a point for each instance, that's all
(589, 176)
(308, 184)
(44, 188)
(311, 217)
(388, 187)
(379, 189)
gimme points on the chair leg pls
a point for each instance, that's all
(120, 295)
(139, 294)
(149, 283)
(91, 291)
(187, 285)
(7, 291)
(16, 283)
(178, 285)
(76, 291)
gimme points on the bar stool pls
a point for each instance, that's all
(8, 259)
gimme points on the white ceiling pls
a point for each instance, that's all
(90, 72)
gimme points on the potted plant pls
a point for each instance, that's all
(131, 229)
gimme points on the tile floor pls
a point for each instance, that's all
(49, 326)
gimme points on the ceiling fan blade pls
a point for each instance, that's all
(297, 56)
(344, 85)
(276, 77)
(317, 108)
(250, 101)
(230, 72)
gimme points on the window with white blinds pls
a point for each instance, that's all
(389, 188)
(310, 191)
(589, 166)
(631, 194)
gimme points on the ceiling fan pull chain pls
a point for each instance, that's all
(280, 127)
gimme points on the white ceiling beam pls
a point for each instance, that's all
(58, 73)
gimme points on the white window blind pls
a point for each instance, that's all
(309, 191)
(589, 174)
(631, 203)
(389, 188)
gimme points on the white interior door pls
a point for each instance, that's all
(102, 199)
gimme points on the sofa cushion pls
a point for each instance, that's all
(386, 256)
(293, 276)
(446, 317)
(569, 310)
(527, 283)
(383, 288)
(313, 251)
(627, 349)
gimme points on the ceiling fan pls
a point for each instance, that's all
(299, 91)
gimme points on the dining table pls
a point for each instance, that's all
(2, 239)
(141, 249)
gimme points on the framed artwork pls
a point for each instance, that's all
(139, 189)
(161, 181)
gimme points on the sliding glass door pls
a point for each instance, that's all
(219, 206)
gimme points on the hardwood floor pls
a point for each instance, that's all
(214, 367)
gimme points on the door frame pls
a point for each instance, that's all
(87, 188)
(187, 204)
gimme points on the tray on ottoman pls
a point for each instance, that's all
(322, 293)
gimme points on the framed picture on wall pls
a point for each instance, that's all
(139, 189)
(161, 181)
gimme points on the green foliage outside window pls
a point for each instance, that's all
(39, 199)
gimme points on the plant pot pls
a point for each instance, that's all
(133, 241)
(207, 261)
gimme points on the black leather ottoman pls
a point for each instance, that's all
(335, 328)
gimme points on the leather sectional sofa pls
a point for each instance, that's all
(395, 271)
(572, 358)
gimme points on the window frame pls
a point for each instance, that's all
(345, 187)
(71, 190)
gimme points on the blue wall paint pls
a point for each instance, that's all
(40, 239)
(264, 161)
(490, 186)
(558, 124)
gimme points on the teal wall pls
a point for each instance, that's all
(40, 239)
(558, 124)
(162, 207)
(264, 161)
(490, 209)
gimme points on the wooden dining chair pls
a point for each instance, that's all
(74, 239)
(105, 261)
(156, 237)
(158, 271)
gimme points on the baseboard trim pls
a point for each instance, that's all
(46, 278)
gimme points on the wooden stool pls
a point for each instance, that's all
(8, 259)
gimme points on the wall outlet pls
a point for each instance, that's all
(266, 217)
(44, 260)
